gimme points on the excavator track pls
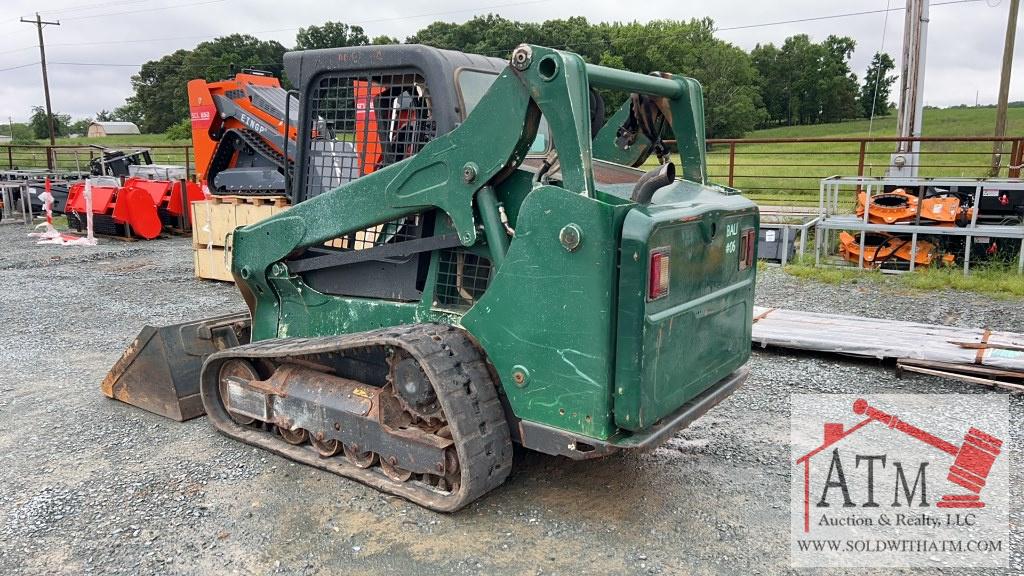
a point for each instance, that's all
(411, 410)
(223, 156)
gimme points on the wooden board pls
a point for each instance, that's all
(883, 338)
(210, 264)
(217, 217)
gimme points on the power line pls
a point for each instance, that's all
(87, 7)
(290, 28)
(143, 10)
(834, 16)
(878, 77)
(23, 48)
(19, 66)
(494, 52)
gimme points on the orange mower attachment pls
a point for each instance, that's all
(899, 207)
(880, 247)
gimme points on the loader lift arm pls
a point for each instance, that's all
(452, 169)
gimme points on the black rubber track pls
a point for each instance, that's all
(462, 382)
(223, 157)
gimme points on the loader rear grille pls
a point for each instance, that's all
(361, 122)
(462, 278)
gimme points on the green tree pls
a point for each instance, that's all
(874, 93)
(159, 99)
(732, 101)
(775, 93)
(81, 126)
(492, 35)
(40, 125)
(161, 86)
(331, 35)
(804, 82)
(181, 130)
(20, 132)
(129, 112)
(384, 39)
(838, 84)
(105, 116)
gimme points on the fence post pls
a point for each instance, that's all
(860, 158)
(1016, 159)
(10, 157)
(188, 167)
(732, 161)
(49, 158)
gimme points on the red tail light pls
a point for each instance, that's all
(748, 242)
(659, 274)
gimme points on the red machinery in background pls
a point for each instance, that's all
(139, 207)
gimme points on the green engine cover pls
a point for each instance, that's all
(672, 349)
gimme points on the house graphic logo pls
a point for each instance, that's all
(877, 482)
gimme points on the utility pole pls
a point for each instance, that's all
(907, 159)
(39, 22)
(1004, 87)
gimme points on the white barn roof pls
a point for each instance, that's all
(117, 127)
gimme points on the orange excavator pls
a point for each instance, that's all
(244, 131)
(238, 133)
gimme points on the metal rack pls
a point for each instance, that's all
(790, 227)
(832, 216)
(11, 206)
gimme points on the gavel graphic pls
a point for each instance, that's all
(972, 460)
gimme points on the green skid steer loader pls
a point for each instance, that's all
(481, 264)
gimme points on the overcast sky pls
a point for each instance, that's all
(963, 61)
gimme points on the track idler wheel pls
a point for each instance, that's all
(413, 389)
(242, 370)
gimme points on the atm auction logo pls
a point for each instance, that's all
(915, 480)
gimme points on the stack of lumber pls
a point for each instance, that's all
(977, 355)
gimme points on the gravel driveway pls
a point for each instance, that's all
(93, 486)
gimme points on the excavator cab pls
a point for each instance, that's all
(479, 264)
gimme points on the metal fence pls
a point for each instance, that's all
(787, 171)
(771, 171)
(76, 158)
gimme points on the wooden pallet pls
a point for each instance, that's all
(278, 201)
(215, 219)
(212, 263)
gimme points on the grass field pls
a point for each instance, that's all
(162, 150)
(142, 140)
(999, 279)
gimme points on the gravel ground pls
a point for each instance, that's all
(93, 486)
